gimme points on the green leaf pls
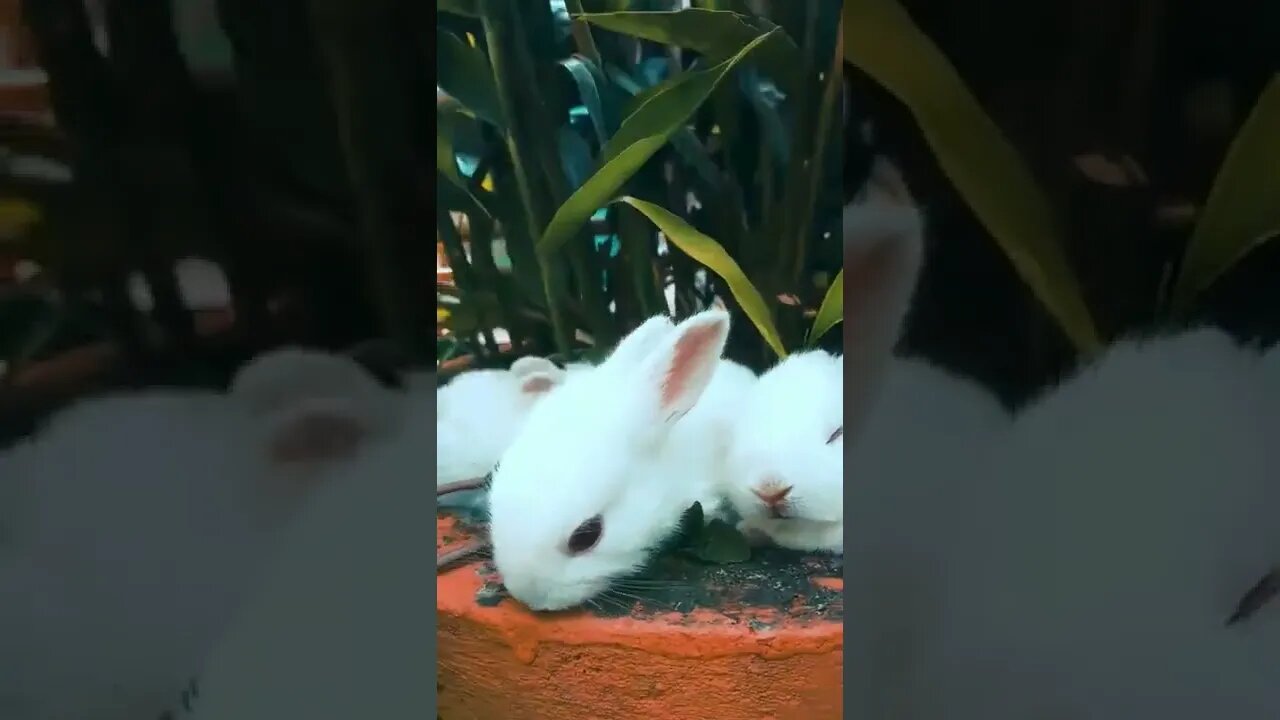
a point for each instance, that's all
(590, 79)
(466, 8)
(464, 73)
(716, 34)
(830, 312)
(882, 41)
(1242, 209)
(721, 543)
(686, 143)
(450, 117)
(690, 523)
(640, 136)
(685, 537)
(708, 252)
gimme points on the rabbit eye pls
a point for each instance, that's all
(586, 535)
(839, 433)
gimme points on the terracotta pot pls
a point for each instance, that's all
(761, 640)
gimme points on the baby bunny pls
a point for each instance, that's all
(915, 438)
(607, 463)
(907, 418)
(786, 476)
(480, 412)
(141, 518)
(1098, 553)
(1132, 507)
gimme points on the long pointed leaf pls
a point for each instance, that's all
(882, 41)
(640, 136)
(1243, 208)
(590, 80)
(708, 252)
(464, 72)
(449, 115)
(716, 34)
(830, 312)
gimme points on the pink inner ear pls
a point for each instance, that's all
(315, 437)
(690, 349)
(536, 384)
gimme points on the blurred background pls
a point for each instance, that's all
(189, 182)
(1121, 115)
(186, 183)
(228, 175)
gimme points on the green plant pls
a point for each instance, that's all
(568, 140)
(987, 171)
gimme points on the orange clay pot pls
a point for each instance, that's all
(760, 640)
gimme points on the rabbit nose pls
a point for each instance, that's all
(771, 494)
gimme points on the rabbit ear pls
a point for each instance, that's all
(883, 253)
(679, 370)
(637, 345)
(536, 384)
(537, 376)
(531, 364)
(316, 407)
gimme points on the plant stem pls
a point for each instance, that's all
(464, 275)
(826, 112)
(582, 36)
(513, 77)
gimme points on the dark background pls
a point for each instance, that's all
(1167, 83)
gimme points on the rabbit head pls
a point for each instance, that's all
(786, 457)
(594, 480)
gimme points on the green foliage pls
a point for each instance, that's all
(1243, 209)
(986, 170)
(713, 541)
(1240, 213)
(623, 149)
(832, 309)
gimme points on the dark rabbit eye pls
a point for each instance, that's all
(839, 433)
(586, 535)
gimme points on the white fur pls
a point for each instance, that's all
(139, 521)
(611, 442)
(340, 627)
(481, 411)
(1087, 568)
(781, 433)
(906, 417)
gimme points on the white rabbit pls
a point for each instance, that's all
(360, 646)
(908, 418)
(141, 518)
(785, 476)
(914, 436)
(1100, 552)
(480, 411)
(339, 627)
(1135, 507)
(610, 460)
